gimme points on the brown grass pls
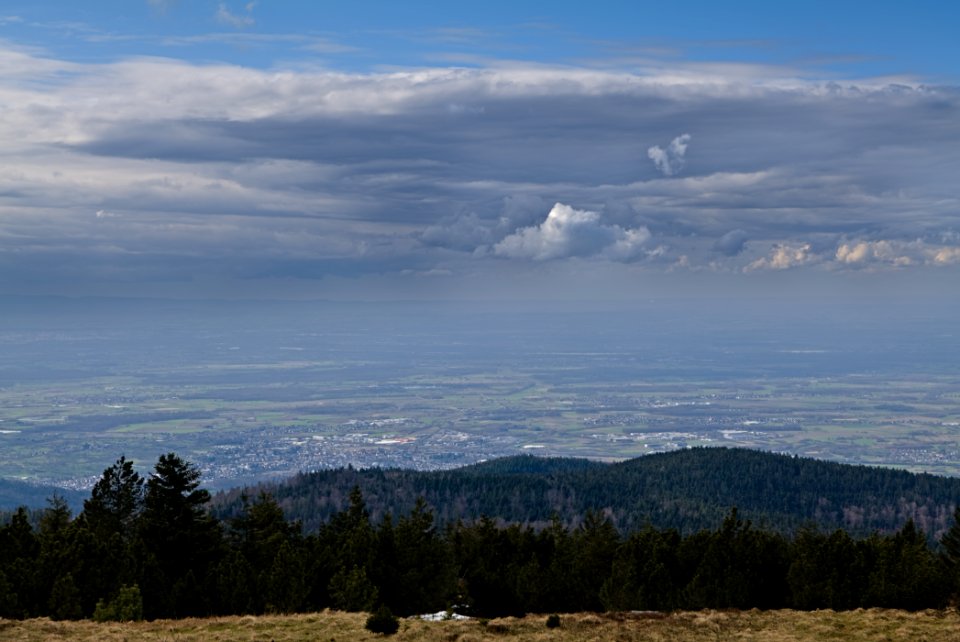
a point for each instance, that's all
(762, 626)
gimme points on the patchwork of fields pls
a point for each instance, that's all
(255, 394)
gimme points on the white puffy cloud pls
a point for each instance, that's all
(853, 253)
(784, 256)
(670, 160)
(869, 252)
(946, 256)
(568, 232)
(898, 253)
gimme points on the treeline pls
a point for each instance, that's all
(690, 490)
(148, 548)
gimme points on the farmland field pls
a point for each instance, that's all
(251, 394)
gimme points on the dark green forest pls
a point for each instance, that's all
(149, 548)
(689, 490)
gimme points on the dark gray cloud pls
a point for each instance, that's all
(152, 165)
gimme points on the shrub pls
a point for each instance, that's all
(383, 621)
(126, 607)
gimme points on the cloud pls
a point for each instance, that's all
(568, 232)
(946, 256)
(238, 21)
(898, 253)
(783, 257)
(303, 172)
(670, 160)
(472, 231)
(732, 243)
(853, 253)
(465, 232)
(870, 252)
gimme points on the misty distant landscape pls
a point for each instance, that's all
(251, 391)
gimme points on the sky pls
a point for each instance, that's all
(498, 150)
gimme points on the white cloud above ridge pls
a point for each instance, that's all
(567, 232)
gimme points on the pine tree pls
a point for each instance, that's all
(951, 543)
(424, 567)
(8, 598)
(348, 541)
(19, 548)
(60, 561)
(182, 539)
(115, 501)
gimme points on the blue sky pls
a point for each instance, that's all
(874, 38)
(495, 150)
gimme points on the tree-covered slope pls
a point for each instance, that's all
(146, 547)
(15, 493)
(687, 489)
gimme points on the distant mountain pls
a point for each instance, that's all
(687, 489)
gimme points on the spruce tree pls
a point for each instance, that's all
(115, 501)
(180, 537)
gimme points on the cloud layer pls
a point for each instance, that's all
(159, 171)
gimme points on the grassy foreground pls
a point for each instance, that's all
(766, 626)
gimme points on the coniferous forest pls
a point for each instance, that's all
(690, 489)
(149, 548)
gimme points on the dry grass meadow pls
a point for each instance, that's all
(765, 626)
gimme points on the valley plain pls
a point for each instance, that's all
(250, 392)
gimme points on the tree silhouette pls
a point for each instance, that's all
(179, 536)
(115, 501)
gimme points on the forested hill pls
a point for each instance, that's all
(15, 493)
(687, 489)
